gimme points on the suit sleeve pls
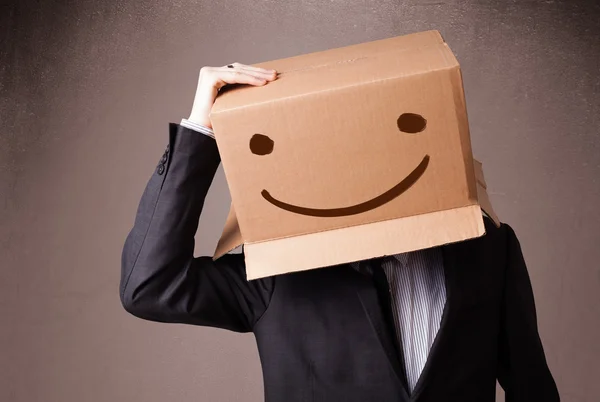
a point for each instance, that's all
(160, 278)
(523, 372)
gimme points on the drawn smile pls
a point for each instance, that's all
(373, 203)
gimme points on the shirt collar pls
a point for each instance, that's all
(402, 258)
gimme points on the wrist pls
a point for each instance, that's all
(203, 102)
(200, 117)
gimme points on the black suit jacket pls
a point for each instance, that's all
(322, 334)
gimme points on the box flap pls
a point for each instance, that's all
(482, 195)
(334, 247)
(231, 236)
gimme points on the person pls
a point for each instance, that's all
(441, 324)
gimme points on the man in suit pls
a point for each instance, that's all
(432, 325)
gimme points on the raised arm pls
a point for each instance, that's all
(160, 278)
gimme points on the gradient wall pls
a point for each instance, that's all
(88, 89)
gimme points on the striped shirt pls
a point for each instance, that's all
(197, 127)
(418, 296)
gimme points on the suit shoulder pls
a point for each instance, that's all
(497, 235)
(502, 236)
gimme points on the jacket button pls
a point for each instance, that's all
(160, 169)
(164, 158)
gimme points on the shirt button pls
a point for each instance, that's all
(160, 169)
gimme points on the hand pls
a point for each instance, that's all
(214, 78)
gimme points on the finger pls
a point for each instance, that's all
(230, 76)
(270, 75)
(252, 68)
(261, 77)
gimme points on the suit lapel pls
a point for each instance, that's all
(370, 301)
(460, 261)
(458, 256)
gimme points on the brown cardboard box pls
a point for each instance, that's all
(352, 153)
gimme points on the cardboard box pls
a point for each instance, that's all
(352, 153)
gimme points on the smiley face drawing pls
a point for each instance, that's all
(410, 123)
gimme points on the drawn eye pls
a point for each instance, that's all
(411, 123)
(261, 144)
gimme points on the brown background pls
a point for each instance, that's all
(88, 88)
